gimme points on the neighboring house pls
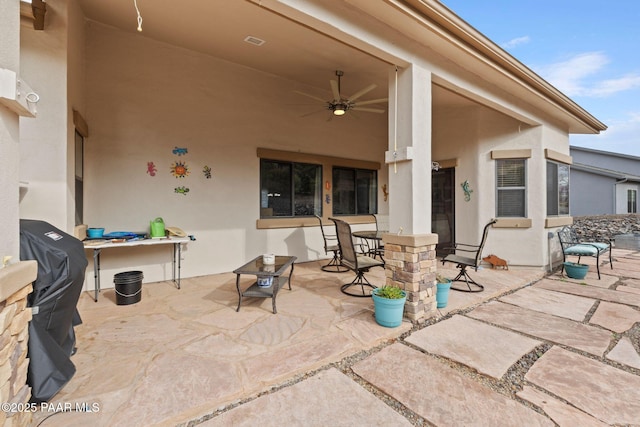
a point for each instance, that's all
(603, 182)
(222, 79)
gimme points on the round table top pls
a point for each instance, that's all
(369, 234)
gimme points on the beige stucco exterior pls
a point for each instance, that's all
(141, 98)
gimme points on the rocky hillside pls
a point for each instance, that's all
(604, 227)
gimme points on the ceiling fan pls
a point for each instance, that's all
(339, 105)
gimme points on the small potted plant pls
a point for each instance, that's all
(388, 303)
(442, 290)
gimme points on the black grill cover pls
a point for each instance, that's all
(61, 267)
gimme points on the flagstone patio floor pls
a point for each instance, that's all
(529, 350)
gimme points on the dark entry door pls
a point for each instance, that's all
(443, 208)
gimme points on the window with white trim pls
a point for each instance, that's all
(511, 190)
(557, 189)
(632, 201)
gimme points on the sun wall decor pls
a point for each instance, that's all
(180, 169)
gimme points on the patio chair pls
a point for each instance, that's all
(572, 246)
(359, 264)
(377, 247)
(331, 245)
(473, 261)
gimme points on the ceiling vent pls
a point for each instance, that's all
(254, 40)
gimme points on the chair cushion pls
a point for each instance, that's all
(457, 259)
(368, 262)
(600, 246)
(582, 249)
(333, 248)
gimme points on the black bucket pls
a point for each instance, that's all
(128, 287)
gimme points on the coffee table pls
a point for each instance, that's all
(257, 268)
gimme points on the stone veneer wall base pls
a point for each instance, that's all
(16, 283)
(410, 263)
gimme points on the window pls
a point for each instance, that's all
(557, 189)
(632, 205)
(354, 191)
(289, 189)
(511, 188)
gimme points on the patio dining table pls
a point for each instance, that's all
(375, 237)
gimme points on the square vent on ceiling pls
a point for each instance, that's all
(254, 40)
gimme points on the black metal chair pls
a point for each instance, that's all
(377, 247)
(359, 264)
(473, 261)
(331, 245)
(572, 246)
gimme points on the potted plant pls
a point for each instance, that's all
(442, 290)
(388, 303)
(575, 270)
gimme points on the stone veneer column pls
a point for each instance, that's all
(410, 263)
(15, 285)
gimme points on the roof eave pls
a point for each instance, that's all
(480, 44)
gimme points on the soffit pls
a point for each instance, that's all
(302, 51)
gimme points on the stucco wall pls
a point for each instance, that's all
(43, 140)
(470, 135)
(9, 133)
(144, 98)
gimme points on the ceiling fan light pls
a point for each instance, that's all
(339, 109)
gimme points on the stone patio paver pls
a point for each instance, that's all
(607, 393)
(329, 398)
(485, 348)
(624, 264)
(564, 415)
(590, 292)
(441, 394)
(621, 271)
(625, 353)
(630, 289)
(556, 303)
(634, 283)
(615, 317)
(604, 282)
(555, 329)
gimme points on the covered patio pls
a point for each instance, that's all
(179, 355)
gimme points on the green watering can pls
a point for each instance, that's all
(157, 228)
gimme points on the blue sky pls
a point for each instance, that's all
(587, 49)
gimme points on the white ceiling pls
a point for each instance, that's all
(219, 27)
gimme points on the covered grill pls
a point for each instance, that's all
(61, 268)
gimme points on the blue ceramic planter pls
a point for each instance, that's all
(576, 271)
(442, 294)
(388, 312)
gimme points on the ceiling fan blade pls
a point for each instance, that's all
(370, 110)
(335, 90)
(372, 101)
(361, 92)
(310, 96)
(313, 112)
